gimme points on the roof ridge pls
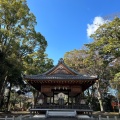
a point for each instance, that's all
(61, 61)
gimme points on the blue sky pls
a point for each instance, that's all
(67, 24)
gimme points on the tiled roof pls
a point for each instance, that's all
(59, 77)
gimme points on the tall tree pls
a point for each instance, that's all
(102, 55)
(90, 63)
(106, 46)
(18, 38)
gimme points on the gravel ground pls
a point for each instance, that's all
(95, 114)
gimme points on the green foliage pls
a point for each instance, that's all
(75, 59)
(37, 63)
(101, 57)
(107, 44)
(107, 40)
(21, 47)
(117, 77)
(115, 83)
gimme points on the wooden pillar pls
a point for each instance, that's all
(53, 96)
(50, 99)
(45, 99)
(75, 99)
(79, 98)
(72, 99)
(68, 97)
(88, 92)
(83, 94)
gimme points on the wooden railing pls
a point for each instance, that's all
(71, 106)
(79, 108)
(26, 117)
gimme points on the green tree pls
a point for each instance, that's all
(106, 46)
(75, 59)
(115, 84)
(90, 63)
(18, 38)
(101, 56)
(37, 63)
(107, 40)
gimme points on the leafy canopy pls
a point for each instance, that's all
(18, 40)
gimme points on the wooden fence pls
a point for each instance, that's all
(100, 118)
(8, 118)
(27, 117)
(16, 118)
(108, 118)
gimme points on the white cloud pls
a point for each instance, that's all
(91, 28)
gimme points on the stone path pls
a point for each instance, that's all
(53, 118)
(67, 118)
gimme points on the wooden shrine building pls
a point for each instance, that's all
(61, 88)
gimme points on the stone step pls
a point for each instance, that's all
(55, 113)
(61, 118)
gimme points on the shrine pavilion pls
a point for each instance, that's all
(61, 88)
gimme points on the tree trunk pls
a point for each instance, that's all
(8, 97)
(1, 94)
(100, 97)
(3, 83)
(101, 104)
(36, 97)
(118, 102)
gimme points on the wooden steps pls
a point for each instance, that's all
(58, 113)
